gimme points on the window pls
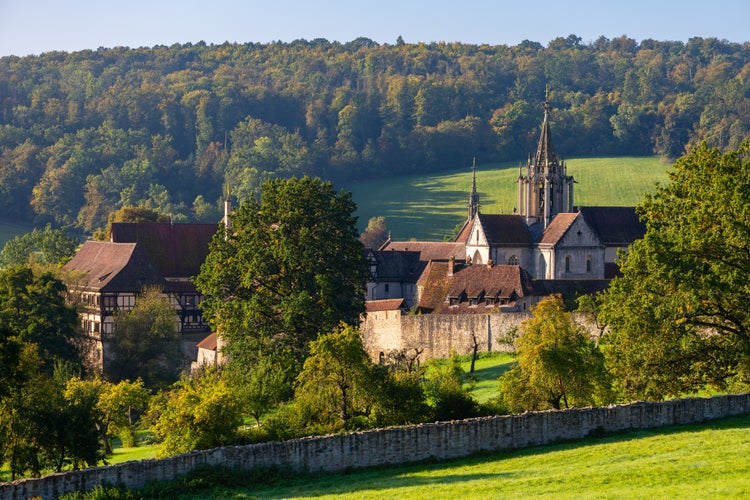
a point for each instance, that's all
(567, 263)
(588, 264)
(513, 260)
(127, 301)
(387, 288)
(110, 302)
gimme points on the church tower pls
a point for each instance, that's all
(544, 189)
(473, 196)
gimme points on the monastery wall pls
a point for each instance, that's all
(395, 445)
(438, 335)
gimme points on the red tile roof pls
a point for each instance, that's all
(503, 282)
(558, 227)
(384, 305)
(209, 343)
(114, 267)
(465, 232)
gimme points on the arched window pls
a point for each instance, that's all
(513, 260)
(588, 264)
(567, 263)
(477, 258)
(542, 268)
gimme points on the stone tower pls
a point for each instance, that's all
(544, 189)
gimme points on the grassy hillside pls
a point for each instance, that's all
(9, 231)
(428, 207)
(710, 460)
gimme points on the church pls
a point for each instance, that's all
(509, 261)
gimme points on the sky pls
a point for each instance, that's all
(30, 27)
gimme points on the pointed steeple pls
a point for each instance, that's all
(546, 189)
(473, 196)
(545, 152)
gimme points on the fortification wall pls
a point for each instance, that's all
(397, 445)
(437, 335)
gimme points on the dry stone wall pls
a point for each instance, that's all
(397, 445)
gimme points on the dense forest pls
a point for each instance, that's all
(85, 133)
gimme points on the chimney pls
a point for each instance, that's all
(451, 264)
(227, 221)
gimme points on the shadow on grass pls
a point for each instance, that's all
(381, 479)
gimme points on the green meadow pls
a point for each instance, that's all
(711, 460)
(429, 206)
(9, 231)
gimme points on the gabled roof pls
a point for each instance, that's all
(114, 267)
(505, 230)
(435, 283)
(616, 226)
(503, 282)
(397, 266)
(558, 227)
(208, 343)
(385, 305)
(465, 232)
(175, 249)
(429, 250)
(495, 281)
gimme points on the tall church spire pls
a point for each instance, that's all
(473, 196)
(545, 189)
(545, 152)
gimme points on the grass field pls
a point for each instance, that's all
(487, 370)
(711, 460)
(9, 231)
(428, 207)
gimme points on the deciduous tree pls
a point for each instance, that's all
(678, 315)
(290, 268)
(145, 344)
(559, 364)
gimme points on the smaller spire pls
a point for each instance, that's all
(473, 196)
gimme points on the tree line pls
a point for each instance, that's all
(173, 128)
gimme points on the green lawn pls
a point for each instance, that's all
(487, 370)
(429, 206)
(698, 461)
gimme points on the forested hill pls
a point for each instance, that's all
(84, 133)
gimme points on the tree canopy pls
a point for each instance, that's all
(169, 127)
(678, 315)
(289, 268)
(559, 364)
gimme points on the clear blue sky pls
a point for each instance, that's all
(36, 26)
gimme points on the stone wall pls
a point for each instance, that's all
(396, 445)
(438, 335)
